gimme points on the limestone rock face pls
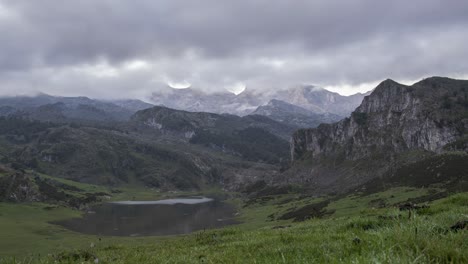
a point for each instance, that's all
(394, 118)
(393, 122)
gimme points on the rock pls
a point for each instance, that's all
(411, 206)
(281, 227)
(19, 187)
(394, 119)
(294, 115)
(356, 240)
(460, 225)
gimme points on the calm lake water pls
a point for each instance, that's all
(152, 218)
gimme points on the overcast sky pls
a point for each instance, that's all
(129, 48)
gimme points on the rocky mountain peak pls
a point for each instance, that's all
(394, 118)
(388, 95)
(393, 124)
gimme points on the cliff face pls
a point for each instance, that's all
(430, 116)
(394, 118)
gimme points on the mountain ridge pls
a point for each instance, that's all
(47, 108)
(294, 115)
(312, 98)
(429, 117)
(228, 133)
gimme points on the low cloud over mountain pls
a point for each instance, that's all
(131, 49)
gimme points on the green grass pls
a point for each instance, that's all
(24, 228)
(262, 212)
(132, 191)
(83, 186)
(358, 204)
(357, 232)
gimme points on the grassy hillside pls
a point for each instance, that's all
(425, 237)
(253, 138)
(355, 229)
(113, 156)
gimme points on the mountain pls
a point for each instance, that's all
(192, 100)
(395, 132)
(254, 138)
(61, 112)
(114, 157)
(395, 126)
(49, 108)
(312, 98)
(294, 115)
(156, 147)
(319, 100)
(132, 104)
(7, 110)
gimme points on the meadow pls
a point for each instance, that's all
(275, 229)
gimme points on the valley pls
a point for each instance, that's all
(246, 131)
(388, 182)
(272, 228)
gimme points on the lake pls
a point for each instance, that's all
(153, 218)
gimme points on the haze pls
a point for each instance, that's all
(129, 49)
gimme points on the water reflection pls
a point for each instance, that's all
(164, 217)
(168, 201)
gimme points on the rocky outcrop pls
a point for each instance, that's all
(393, 119)
(168, 121)
(18, 187)
(320, 100)
(430, 116)
(25, 187)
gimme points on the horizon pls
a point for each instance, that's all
(73, 49)
(168, 88)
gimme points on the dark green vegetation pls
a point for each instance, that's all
(357, 228)
(278, 225)
(93, 155)
(48, 108)
(251, 143)
(124, 154)
(448, 170)
(254, 138)
(16, 186)
(388, 184)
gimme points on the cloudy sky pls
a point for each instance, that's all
(129, 48)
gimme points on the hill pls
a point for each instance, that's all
(395, 125)
(82, 109)
(255, 138)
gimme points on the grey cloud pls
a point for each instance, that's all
(213, 43)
